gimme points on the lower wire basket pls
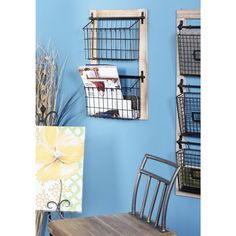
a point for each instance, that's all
(189, 178)
(114, 103)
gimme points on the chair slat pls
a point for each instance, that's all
(145, 197)
(160, 205)
(153, 201)
(159, 159)
(145, 172)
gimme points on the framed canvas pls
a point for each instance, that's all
(59, 168)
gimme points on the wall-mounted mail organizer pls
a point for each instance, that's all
(188, 103)
(117, 35)
(189, 41)
(117, 103)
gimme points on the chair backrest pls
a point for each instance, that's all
(160, 219)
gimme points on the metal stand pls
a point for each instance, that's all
(58, 205)
(46, 119)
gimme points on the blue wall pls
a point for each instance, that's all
(114, 148)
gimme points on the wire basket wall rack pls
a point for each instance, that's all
(189, 178)
(189, 50)
(188, 109)
(116, 103)
(108, 38)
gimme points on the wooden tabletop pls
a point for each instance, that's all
(113, 225)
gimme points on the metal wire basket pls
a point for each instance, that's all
(189, 50)
(116, 103)
(112, 39)
(188, 109)
(189, 178)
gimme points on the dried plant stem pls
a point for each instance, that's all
(48, 81)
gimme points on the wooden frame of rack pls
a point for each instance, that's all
(142, 60)
(182, 15)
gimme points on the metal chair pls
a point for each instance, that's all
(135, 223)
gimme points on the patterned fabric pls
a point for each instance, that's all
(59, 164)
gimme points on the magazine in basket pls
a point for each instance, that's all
(103, 92)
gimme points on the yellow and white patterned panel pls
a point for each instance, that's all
(59, 166)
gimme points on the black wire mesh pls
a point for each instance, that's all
(112, 39)
(189, 50)
(116, 103)
(188, 108)
(189, 178)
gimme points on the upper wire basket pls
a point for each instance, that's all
(189, 178)
(189, 50)
(112, 39)
(188, 108)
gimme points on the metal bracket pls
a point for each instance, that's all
(182, 26)
(141, 77)
(142, 17)
(181, 86)
(91, 18)
(180, 142)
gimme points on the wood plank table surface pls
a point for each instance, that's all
(112, 225)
